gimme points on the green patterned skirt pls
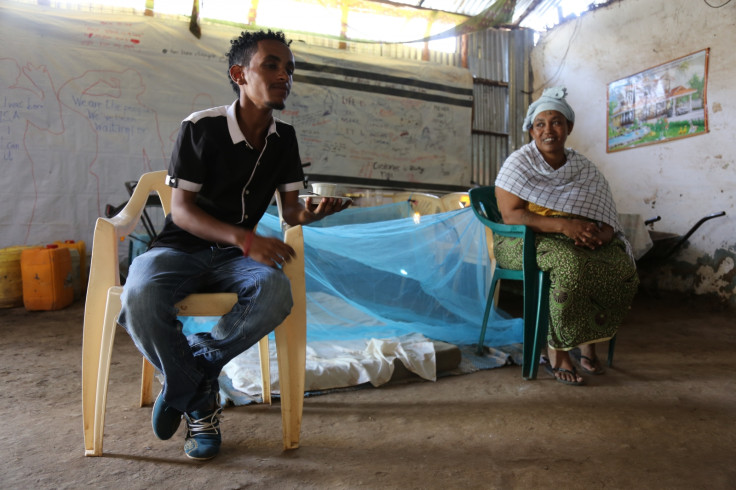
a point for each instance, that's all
(591, 290)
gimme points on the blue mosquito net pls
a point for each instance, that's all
(377, 272)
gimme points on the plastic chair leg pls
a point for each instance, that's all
(103, 374)
(492, 299)
(541, 325)
(531, 307)
(265, 369)
(291, 348)
(147, 371)
(291, 352)
(91, 351)
(611, 348)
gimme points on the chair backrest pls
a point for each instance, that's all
(148, 183)
(485, 207)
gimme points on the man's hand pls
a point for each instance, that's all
(326, 206)
(270, 251)
(313, 209)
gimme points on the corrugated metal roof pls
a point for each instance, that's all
(463, 7)
(535, 14)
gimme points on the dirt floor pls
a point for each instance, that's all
(662, 418)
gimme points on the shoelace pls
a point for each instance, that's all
(209, 424)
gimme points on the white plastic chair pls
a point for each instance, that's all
(103, 305)
(421, 203)
(455, 200)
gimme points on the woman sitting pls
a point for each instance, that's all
(559, 193)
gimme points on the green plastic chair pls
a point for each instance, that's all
(536, 282)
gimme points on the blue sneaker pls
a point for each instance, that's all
(203, 433)
(165, 419)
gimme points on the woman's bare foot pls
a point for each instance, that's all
(563, 368)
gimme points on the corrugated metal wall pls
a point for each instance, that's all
(500, 63)
(499, 60)
(520, 78)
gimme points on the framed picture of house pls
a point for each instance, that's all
(659, 104)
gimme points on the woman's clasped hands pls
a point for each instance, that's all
(588, 234)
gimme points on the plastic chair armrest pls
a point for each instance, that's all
(509, 230)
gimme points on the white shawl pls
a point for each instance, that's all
(576, 188)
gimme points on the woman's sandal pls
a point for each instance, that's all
(593, 362)
(553, 371)
(574, 373)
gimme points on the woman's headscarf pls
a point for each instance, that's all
(552, 99)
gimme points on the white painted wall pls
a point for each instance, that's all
(681, 180)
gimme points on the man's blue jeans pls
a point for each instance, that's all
(190, 365)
